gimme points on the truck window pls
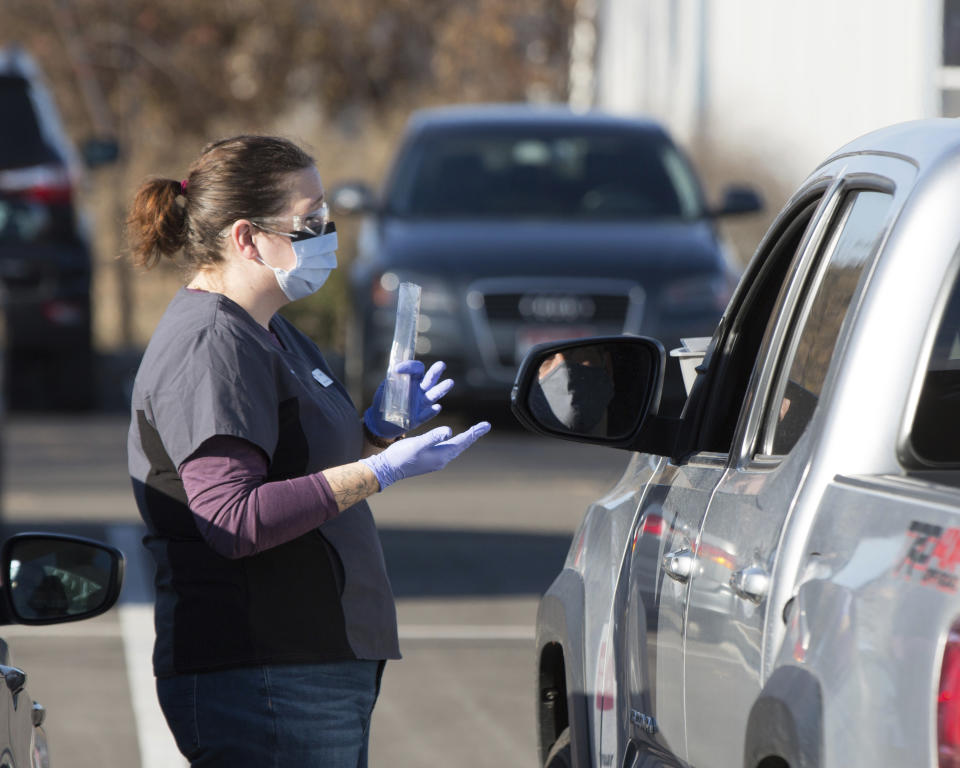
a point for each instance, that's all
(741, 342)
(937, 421)
(821, 313)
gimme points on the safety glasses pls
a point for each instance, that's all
(302, 227)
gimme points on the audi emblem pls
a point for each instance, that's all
(556, 307)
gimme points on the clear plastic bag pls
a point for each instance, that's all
(397, 393)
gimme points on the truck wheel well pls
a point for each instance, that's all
(785, 723)
(773, 762)
(552, 715)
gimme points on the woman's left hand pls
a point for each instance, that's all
(424, 406)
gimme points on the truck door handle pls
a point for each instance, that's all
(679, 564)
(751, 583)
(15, 678)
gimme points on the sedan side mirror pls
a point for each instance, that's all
(53, 578)
(598, 390)
(738, 200)
(352, 198)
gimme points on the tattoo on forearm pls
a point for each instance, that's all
(351, 483)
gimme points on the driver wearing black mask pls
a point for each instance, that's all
(575, 388)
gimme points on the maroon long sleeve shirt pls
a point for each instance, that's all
(237, 511)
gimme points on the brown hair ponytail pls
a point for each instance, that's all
(157, 223)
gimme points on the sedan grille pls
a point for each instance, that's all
(556, 308)
(510, 316)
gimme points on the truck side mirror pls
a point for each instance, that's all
(598, 390)
(53, 578)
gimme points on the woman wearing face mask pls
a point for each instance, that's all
(251, 467)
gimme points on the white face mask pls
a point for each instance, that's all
(316, 259)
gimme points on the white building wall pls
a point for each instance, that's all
(779, 81)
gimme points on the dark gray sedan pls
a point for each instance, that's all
(527, 224)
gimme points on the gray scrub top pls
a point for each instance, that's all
(210, 369)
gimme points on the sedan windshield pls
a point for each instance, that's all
(537, 174)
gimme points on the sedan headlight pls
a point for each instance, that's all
(435, 296)
(438, 309)
(438, 298)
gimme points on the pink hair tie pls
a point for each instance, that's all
(183, 186)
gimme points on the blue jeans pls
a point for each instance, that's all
(271, 716)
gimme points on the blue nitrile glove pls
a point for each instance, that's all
(423, 453)
(424, 406)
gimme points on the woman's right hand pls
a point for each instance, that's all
(426, 390)
(424, 453)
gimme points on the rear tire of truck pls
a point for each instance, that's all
(560, 755)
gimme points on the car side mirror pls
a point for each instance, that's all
(53, 578)
(600, 390)
(352, 198)
(738, 200)
(100, 151)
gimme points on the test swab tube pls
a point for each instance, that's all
(397, 392)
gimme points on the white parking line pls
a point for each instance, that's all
(157, 747)
(454, 632)
(84, 631)
(413, 632)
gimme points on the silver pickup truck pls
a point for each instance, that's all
(774, 580)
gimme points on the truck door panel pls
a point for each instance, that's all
(738, 545)
(660, 566)
(653, 630)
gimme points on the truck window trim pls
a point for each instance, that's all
(723, 400)
(910, 457)
(792, 323)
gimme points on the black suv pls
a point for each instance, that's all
(45, 263)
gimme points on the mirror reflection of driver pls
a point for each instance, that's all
(575, 387)
(39, 594)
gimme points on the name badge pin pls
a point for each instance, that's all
(322, 378)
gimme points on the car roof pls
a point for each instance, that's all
(520, 114)
(16, 62)
(924, 143)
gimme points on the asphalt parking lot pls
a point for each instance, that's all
(469, 551)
